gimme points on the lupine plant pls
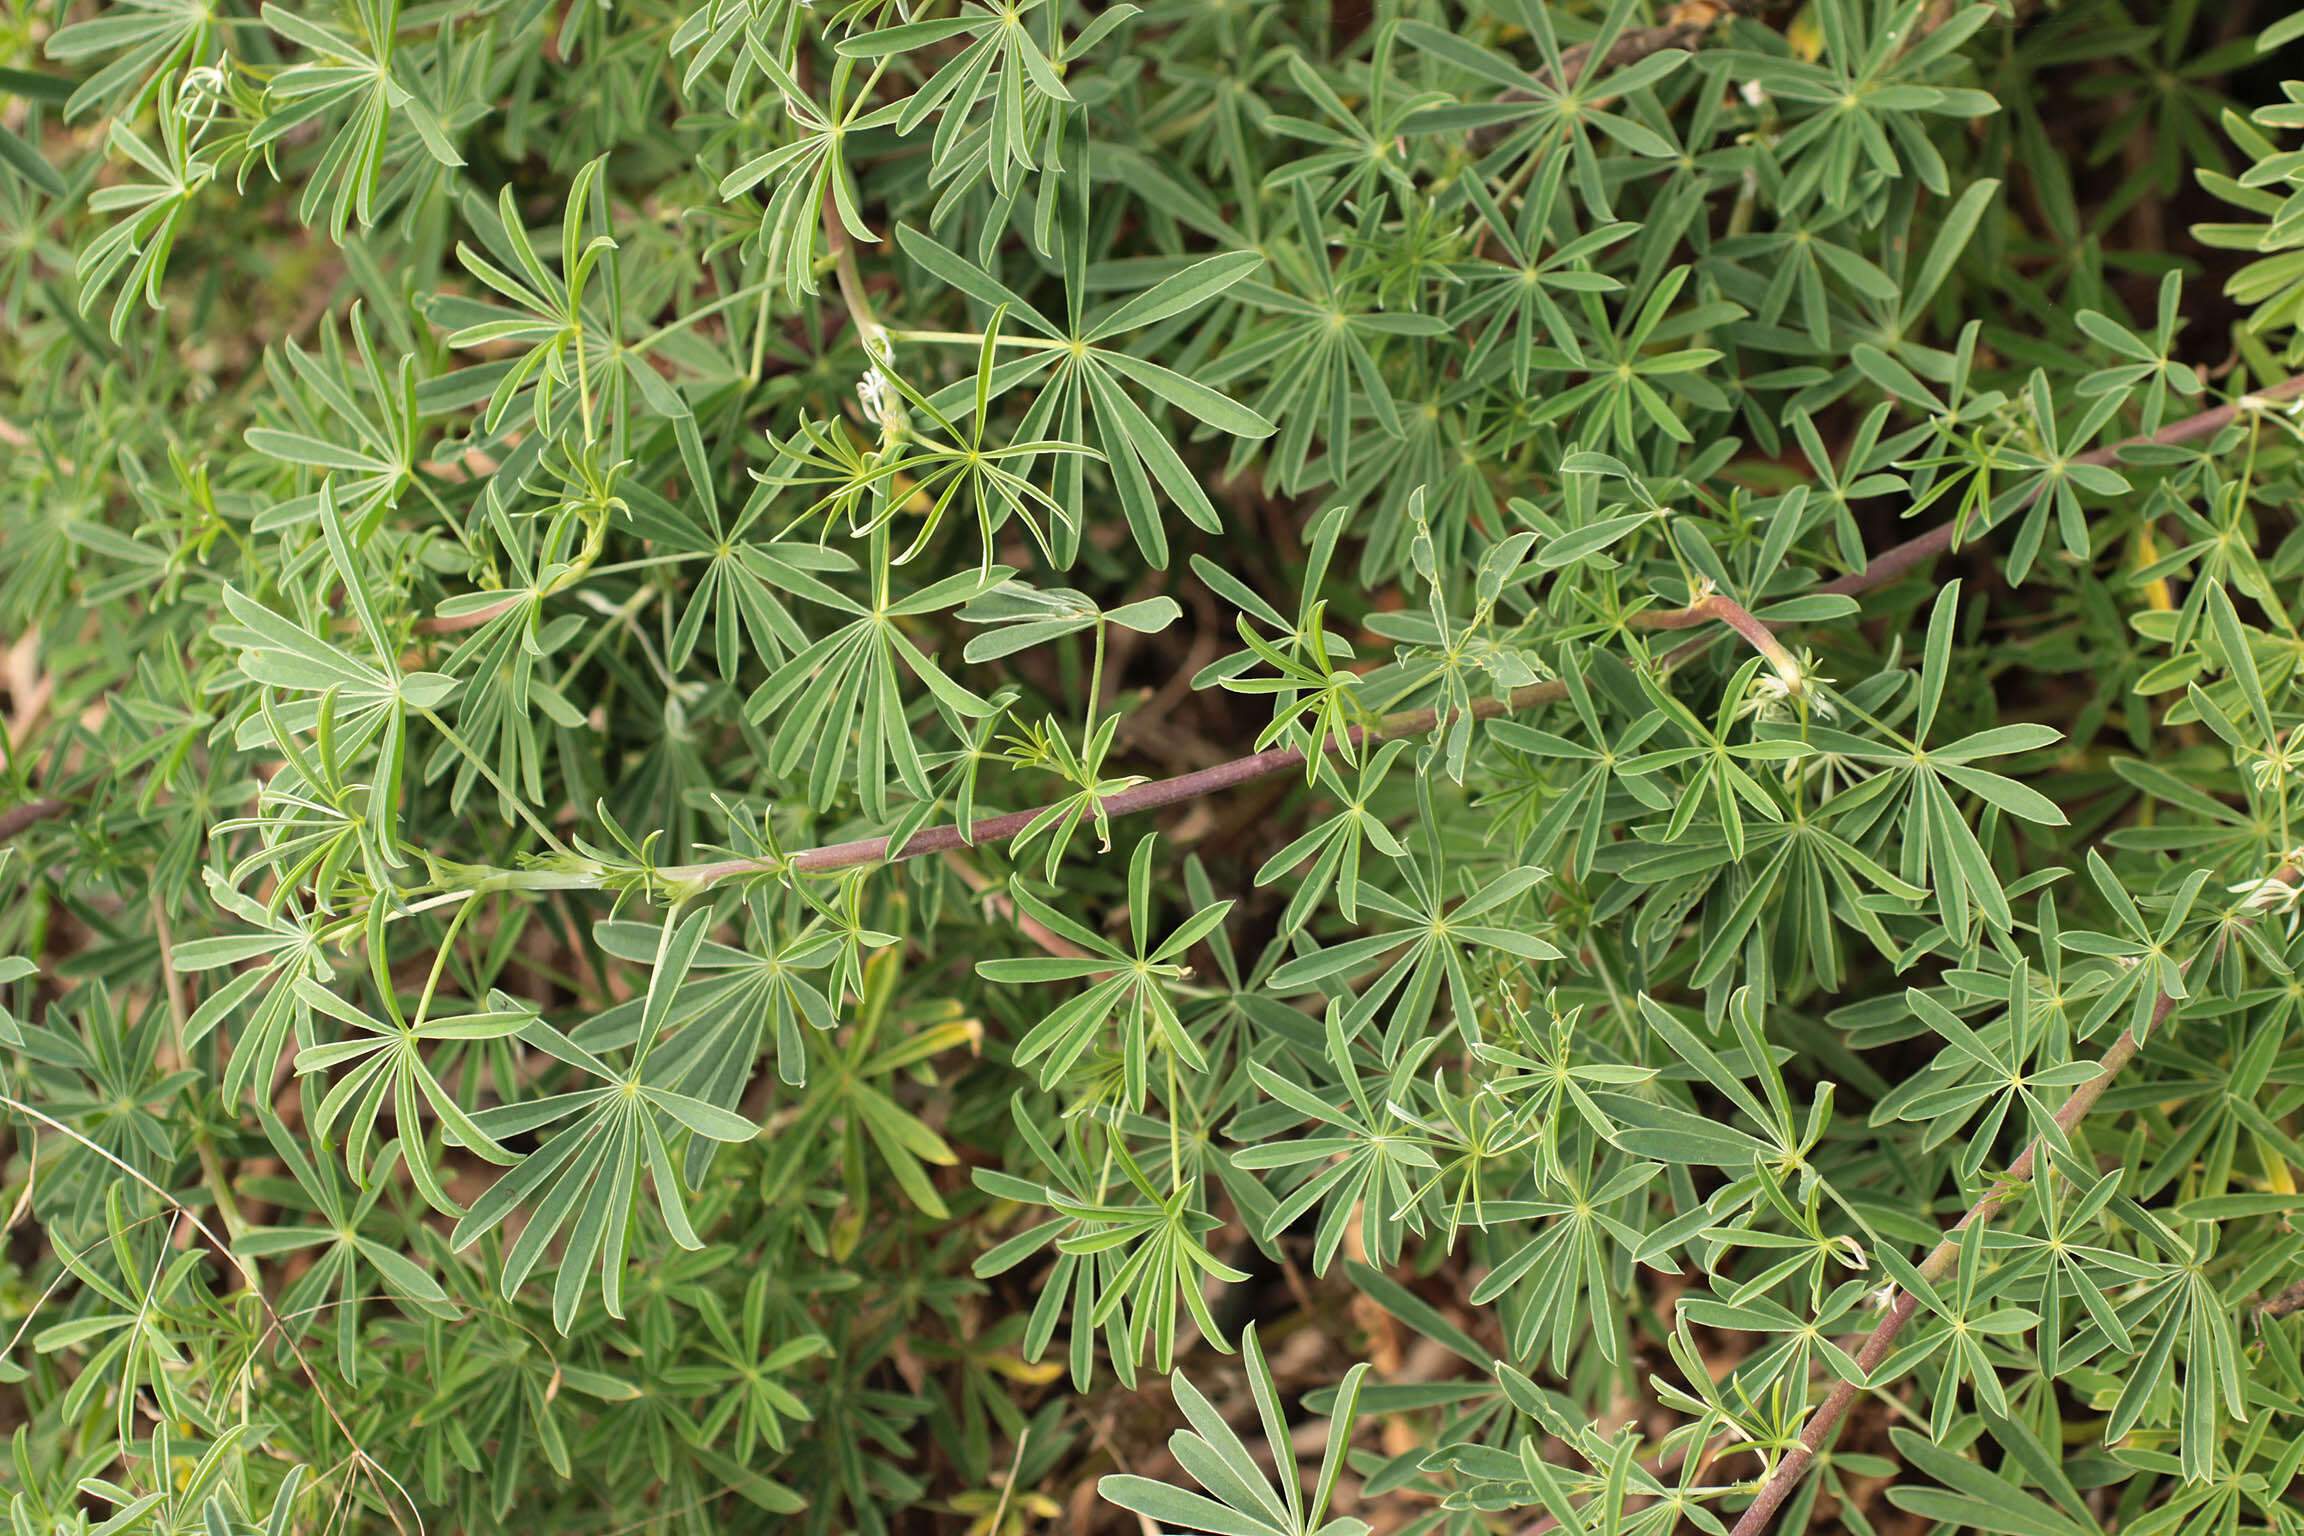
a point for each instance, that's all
(1431, 766)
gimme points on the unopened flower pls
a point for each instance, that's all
(201, 97)
(2270, 894)
(881, 403)
(1773, 692)
(2273, 894)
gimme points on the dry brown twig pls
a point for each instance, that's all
(2287, 1304)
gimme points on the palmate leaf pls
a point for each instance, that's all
(1128, 988)
(1813, 885)
(1442, 659)
(350, 1256)
(1994, 1071)
(152, 37)
(1163, 1260)
(721, 29)
(1634, 376)
(1579, 808)
(565, 370)
(2046, 483)
(741, 1387)
(843, 695)
(1961, 1333)
(1334, 846)
(1558, 1281)
(1649, 390)
(535, 1400)
(1353, 161)
(2183, 1316)
(732, 1001)
(1867, 96)
(134, 252)
(959, 466)
(1437, 929)
(354, 74)
(806, 172)
(366, 441)
(1315, 693)
(508, 683)
(1240, 1500)
(1007, 68)
(2149, 362)
(1789, 1340)
(1939, 849)
(1801, 265)
(139, 1302)
(1547, 1078)
(388, 1066)
(1364, 1161)
(94, 1061)
(1319, 354)
(741, 595)
(1083, 398)
(584, 1180)
(1516, 301)
(1556, 106)
(288, 942)
(1075, 1282)
(369, 701)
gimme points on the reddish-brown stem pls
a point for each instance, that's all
(1817, 1432)
(1923, 548)
(1728, 611)
(1887, 567)
(1141, 797)
(1879, 571)
(30, 814)
(1901, 1310)
(1788, 1472)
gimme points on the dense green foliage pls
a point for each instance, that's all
(496, 498)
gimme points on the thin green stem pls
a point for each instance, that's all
(976, 339)
(440, 959)
(479, 763)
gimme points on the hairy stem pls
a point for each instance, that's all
(1728, 611)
